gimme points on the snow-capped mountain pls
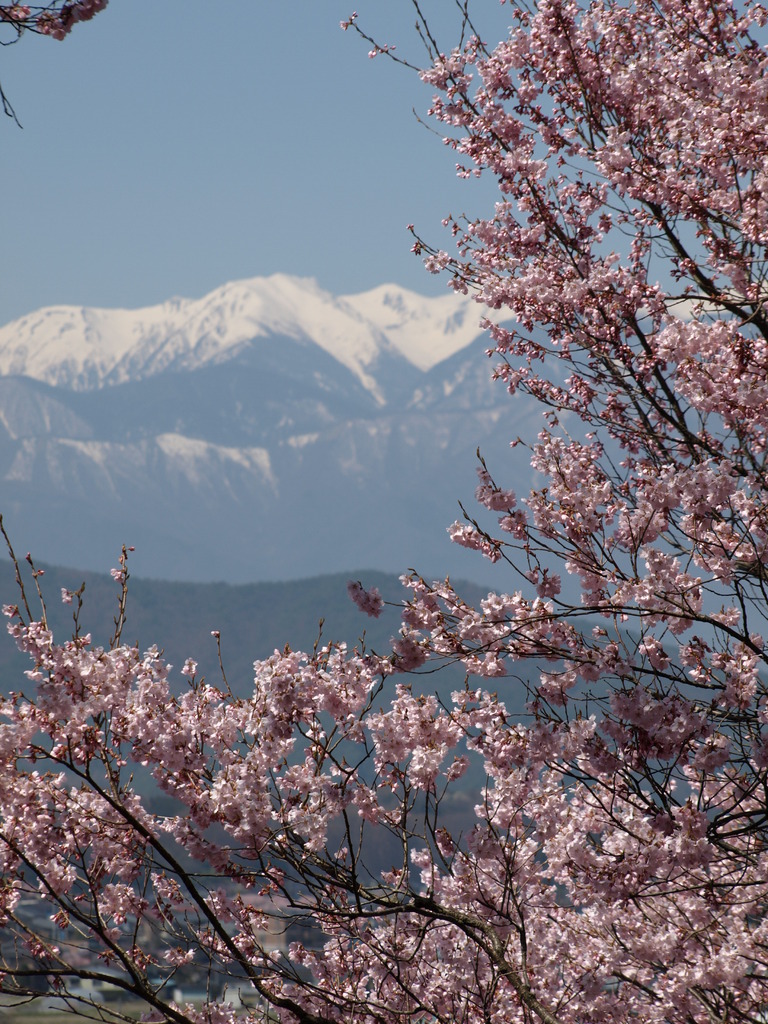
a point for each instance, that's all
(86, 349)
(267, 430)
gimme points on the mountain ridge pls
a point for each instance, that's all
(245, 453)
(83, 349)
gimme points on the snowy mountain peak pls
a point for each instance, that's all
(425, 330)
(83, 349)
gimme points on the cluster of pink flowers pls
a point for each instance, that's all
(368, 601)
(564, 876)
(56, 19)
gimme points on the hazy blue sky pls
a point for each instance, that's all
(172, 145)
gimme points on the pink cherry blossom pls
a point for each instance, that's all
(55, 19)
(368, 601)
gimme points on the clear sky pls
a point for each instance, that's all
(172, 145)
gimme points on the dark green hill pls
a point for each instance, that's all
(254, 619)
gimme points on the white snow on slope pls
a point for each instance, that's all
(425, 330)
(84, 349)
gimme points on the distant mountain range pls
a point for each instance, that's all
(266, 431)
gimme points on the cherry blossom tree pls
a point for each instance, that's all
(611, 860)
